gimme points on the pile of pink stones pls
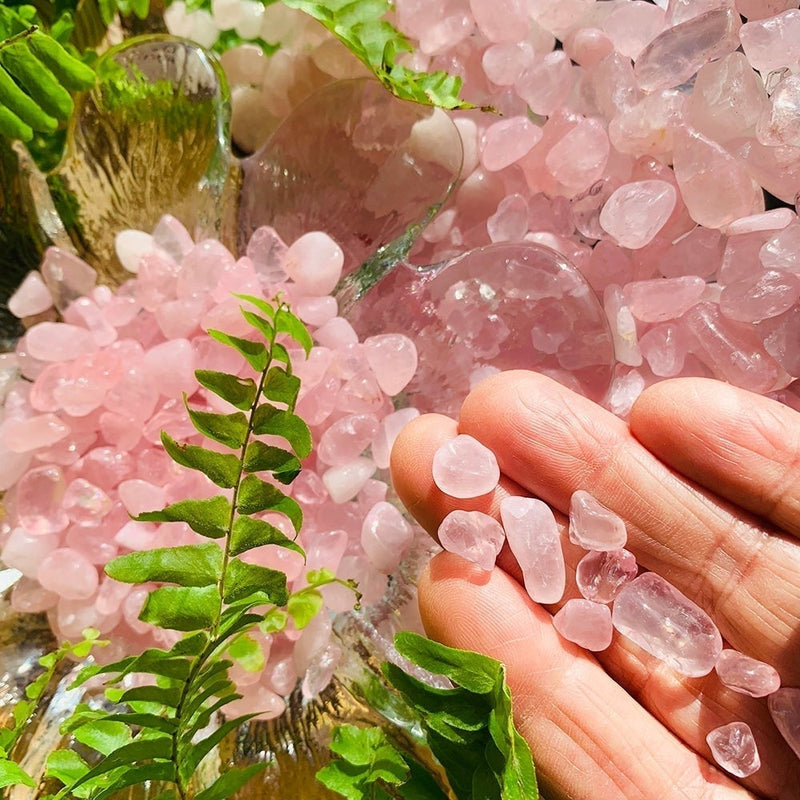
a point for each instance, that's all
(80, 446)
(638, 140)
(643, 607)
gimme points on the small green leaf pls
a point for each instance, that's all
(259, 303)
(263, 326)
(288, 323)
(260, 457)
(319, 577)
(303, 606)
(255, 353)
(103, 735)
(274, 621)
(11, 774)
(242, 580)
(255, 495)
(248, 533)
(222, 468)
(209, 517)
(472, 671)
(227, 429)
(239, 392)
(281, 387)
(182, 608)
(269, 420)
(230, 782)
(186, 565)
(247, 652)
(164, 696)
(66, 766)
(133, 775)
(199, 751)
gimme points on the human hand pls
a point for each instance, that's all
(707, 478)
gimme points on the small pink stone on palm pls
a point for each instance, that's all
(473, 535)
(593, 526)
(734, 749)
(463, 468)
(585, 623)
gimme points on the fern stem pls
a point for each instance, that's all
(18, 36)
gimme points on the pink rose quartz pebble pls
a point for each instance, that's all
(507, 141)
(601, 574)
(734, 749)
(32, 297)
(57, 341)
(345, 481)
(132, 246)
(760, 296)
(677, 53)
(665, 348)
(623, 327)
(716, 187)
(392, 357)
(66, 276)
(504, 63)
(35, 432)
(774, 220)
(546, 83)
(592, 526)
(501, 20)
(784, 708)
(534, 540)
(387, 433)
(667, 624)
(24, 551)
(347, 438)
(782, 251)
(510, 222)
(679, 11)
(780, 122)
(316, 311)
(587, 46)
(314, 262)
(39, 494)
(579, 158)
(586, 623)
(632, 26)
(636, 212)
(473, 535)
(663, 299)
(336, 334)
(747, 675)
(68, 574)
(385, 536)
(85, 503)
(463, 468)
(773, 43)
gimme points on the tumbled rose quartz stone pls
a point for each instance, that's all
(507, 141)
(387, 433)
(315, 263)
(385, 536)
(734, 749)
(747, 675)
(463, 467)
(32, 297)
(392, 357)
(773, 43)
(601, 574)
(592, 526)
(69, 574)
(667, 624)
(586, 623)
(637, 211)
(533, 537)
(784, 708)
(473, 535)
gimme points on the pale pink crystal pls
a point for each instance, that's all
(760, 296)
(623, 326)
(504, 63)
(534, 540)
(385, 536)
(781, 335)
(558, 16)
(316, 310)
(636, 212)
(24, 550)
(624, 390)
(314, 262)
(507, 141)
(546, 83)
(592, 525)
(170, 367)
(587, 46)
(320, 671)
(676, 54)
(716, 187)
(758, 9)
(665, 623)
(665, 348)
(632, 26)
(68, 574)
(138, 496)
(28, 597)
(86, 503)
(38, 495)
(57, 341)
(131, 246)
(473, 535)
(387, 432)
(510, 222)
(646, 128)
(463, 467)
(336, 334)
(170, 236)
(662, 299)
(679, 11)
(580, 157)
(35, 432)
(392, 357)
(66, 276)
(32, 297)
(774, 220)
(727, 100)
(773, 43)
(784, 708)
(734, 749)
(347, 438)
(731, 349)
(501, 20)
(782, 251)
(344, 481)
(586, 623)
(601, 574)
(610, 87)
(747, 675)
